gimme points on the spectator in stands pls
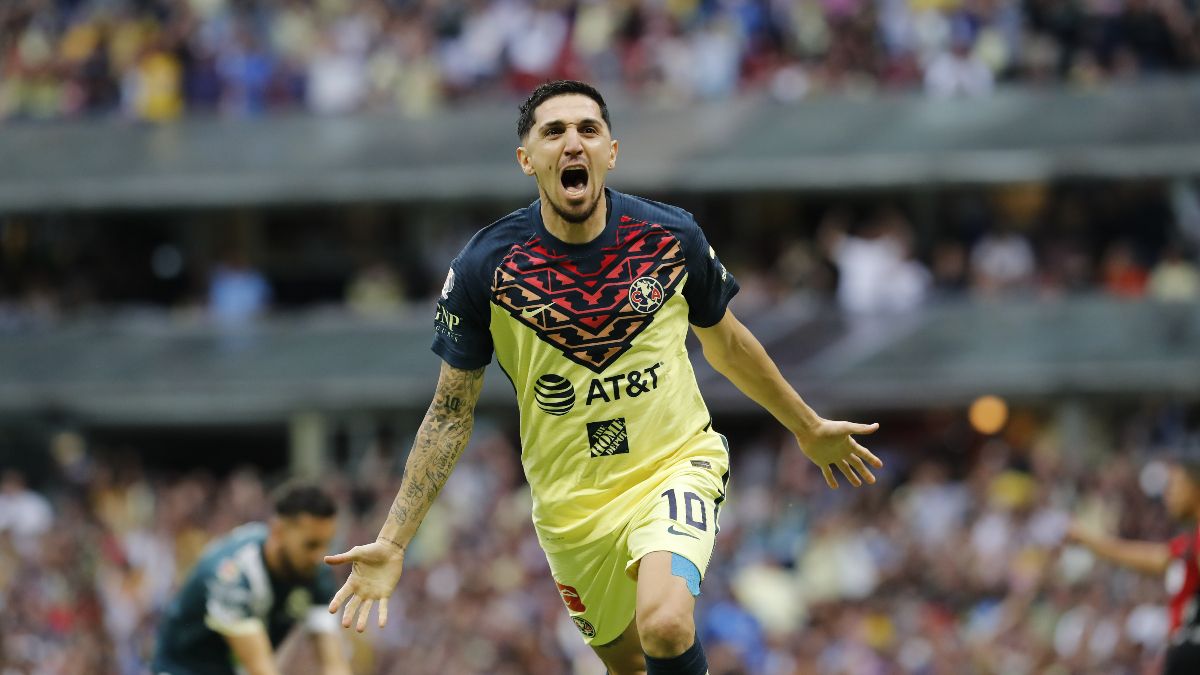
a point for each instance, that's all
(153, 88)
(237, 292)
(876, 269)
(1121, 274)
(24, 514)
(958, 72)
(984, 584)
(64, 58)
(375, 291)
(949, 267)
(1002, 261)
(1175, 278)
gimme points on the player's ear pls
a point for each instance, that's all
(612, 153)
(525, 161)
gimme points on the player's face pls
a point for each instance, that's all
(1182, 495)
(569, 151)
(305, 541)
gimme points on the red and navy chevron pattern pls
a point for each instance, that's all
(587, 315)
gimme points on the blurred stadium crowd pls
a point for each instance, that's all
(953, 564)
(1130, 241)
(156, 59)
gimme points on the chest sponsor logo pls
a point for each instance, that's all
(631, 385)
(554, 394)
(608, 437)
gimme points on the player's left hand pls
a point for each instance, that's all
(830, 444)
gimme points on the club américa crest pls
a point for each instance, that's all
(646, 295)
(585, 627)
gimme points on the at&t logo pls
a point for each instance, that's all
(554, 394)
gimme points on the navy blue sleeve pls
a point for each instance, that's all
(461, 334)
(709, 285)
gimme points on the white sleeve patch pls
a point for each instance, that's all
(235, 628)
(228, 604)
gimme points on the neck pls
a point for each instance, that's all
(273, 557)
(575, 233)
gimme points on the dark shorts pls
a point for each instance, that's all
(1183, 659)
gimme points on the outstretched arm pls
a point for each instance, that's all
(1147, 557)
(252, 648)
(735, 353)
(329, 653)
(439, 443)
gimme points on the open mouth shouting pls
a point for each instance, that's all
(574, 180)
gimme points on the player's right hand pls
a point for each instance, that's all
(374, 572)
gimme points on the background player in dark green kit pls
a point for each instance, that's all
(250, 589)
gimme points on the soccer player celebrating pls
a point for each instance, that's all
(1175, 561)
(249, 589)
(585, 297)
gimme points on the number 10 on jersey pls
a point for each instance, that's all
(690, 500)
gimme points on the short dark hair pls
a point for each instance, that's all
(557, 88)
(296, 498)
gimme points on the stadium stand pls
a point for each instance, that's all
(154, 60)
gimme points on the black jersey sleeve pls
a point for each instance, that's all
(461, 331)
(709, 285)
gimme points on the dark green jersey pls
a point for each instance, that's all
(230, 591)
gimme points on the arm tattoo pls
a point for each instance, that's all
(440, 442)
(393, 542)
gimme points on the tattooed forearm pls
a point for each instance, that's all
(440, 442)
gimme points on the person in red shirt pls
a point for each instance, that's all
(1176, 562)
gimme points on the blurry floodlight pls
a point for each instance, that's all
(988, 414)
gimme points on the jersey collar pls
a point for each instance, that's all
(607, 237)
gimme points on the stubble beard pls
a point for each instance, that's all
(572, 217)
(295, 573)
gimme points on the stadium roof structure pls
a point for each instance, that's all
(154, 370)
(1150, 129)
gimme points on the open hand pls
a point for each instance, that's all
(374, 572)
(830, 445)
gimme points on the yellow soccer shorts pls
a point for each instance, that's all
(598, 581)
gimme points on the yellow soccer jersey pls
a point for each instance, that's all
(592, 337)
